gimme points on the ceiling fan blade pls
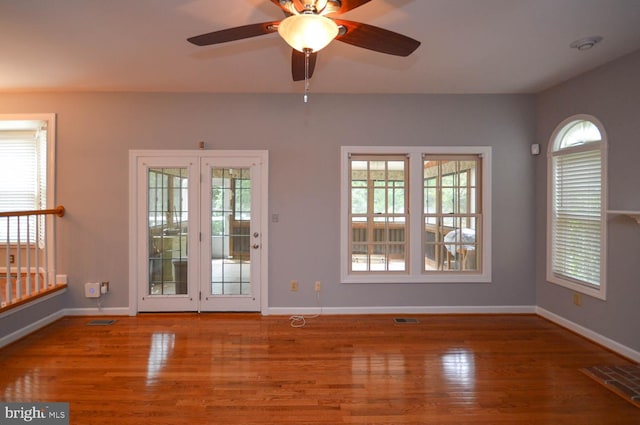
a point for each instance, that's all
(236, 33)
(298, 66)
(347, 5)
(376, 39)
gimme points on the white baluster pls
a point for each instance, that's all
(37, 250)
(8, 271)
(28, 254)
(18, 263)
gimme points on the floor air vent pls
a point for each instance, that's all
(405, 320)
(101, 322)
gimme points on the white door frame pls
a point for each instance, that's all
(135, 233)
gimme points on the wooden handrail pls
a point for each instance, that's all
(59, 211)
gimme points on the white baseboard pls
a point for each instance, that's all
(32, 327)
(612, 345)
(287, 311)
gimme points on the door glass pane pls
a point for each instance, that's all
(167, 229)
(230, 231)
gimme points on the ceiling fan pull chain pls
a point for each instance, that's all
(307, 53)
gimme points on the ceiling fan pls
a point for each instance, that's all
(309, 26)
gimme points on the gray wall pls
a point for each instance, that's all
(96, 131)
(611, 94)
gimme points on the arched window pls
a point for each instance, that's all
(576, 215)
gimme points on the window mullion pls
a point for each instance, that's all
(415, 208)
(370, 215)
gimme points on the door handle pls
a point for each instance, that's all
(256, 246)
(256, 234)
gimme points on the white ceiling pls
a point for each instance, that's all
(468, 46)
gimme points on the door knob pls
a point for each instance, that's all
(256, 246)
(256, 234)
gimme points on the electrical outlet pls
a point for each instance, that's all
(294, 285)
(104, 287)
(318, 286)
(577, 299)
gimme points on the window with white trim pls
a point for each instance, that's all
(25, 164)
(452, 212)
(415, 214)
(378, 213)
(576, 226)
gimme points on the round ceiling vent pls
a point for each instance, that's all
(586, 43)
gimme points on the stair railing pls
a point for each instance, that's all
(28, 270)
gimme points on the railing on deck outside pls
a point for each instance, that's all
(17, 283)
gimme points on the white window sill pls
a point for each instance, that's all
(635, 215)
(423, 278)
(593, 291)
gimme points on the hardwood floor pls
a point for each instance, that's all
(248, 369)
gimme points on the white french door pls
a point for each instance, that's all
(231, 257)
(200, 223)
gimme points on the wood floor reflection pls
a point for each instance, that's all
(248, 369)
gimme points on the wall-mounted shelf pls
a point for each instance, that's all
(631, 214)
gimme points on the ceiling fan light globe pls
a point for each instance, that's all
(308, 31)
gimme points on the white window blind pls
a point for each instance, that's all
(576, 207)
(22, 180)
(577, 216)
